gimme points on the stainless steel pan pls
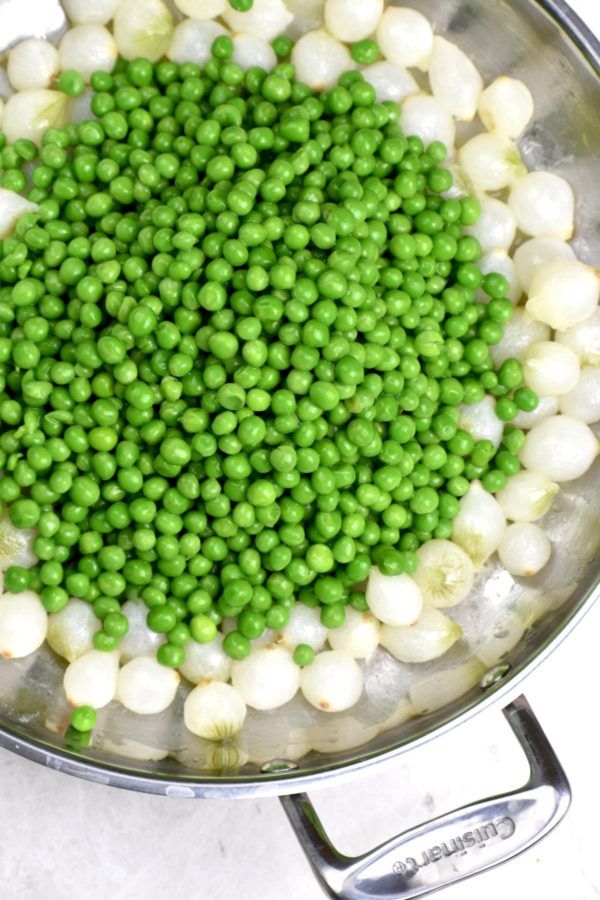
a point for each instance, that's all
(509, 626)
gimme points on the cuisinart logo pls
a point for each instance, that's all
(502, 828)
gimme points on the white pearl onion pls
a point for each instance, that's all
(390, 81)
(350, 21)
(405, 37)
(319, 59)
(527, 496)
(496, 227)
(479, 525)
(428, 638)
(454, 80)
(16, 544)
(550, 368)
(543, 204)
(358, 636)
(547, 406)
(193, 39)
(250, 50)
(267, 678)
(32, 64)
(146, 687)
(97, 12)
(491, 161)
(87, 49)
(519, 333)
(500, 261)
(91, 679)
(266, 18)
(394, 599)
(303, 627)
(201, 9)
(214, 711)
(445, 573)
(506, 107)
(563, 293)
(28, 114)
(424, 117)
(560, 447)
(144, 29)
(537, 251)
(481, 421)
(332, 682)
(525, 549)
(71, 630)
(584, 339)
(308, 15)
(206, 661)
(139, 640)
(23, 624)
(583, 401)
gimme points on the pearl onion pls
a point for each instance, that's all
(87, 49)
(266, 18)
(390, 81)
(350, 21)
(201, 9)
(519, 333)
(543, 204)
(319, 59)
(23, 624)
(206, 661)
(91, 679)
(32, 64)
(358, 636)
(424, 117)
(250, 50)
(193, 39)
(563, 293)
(547, 406)
(454, 80)
(428, 638)
(506, 107)
(28, 114)
(525, 549)
(551, 368)
(16, 544)
(405, 37)
(303, 627)
(496, 227)
(481, 421)
(214, 711)
(71, 630)
(143, 29)
(139, 640)
(97, 12)
(479, 525)
(537, 251)
(267, 678)
(583, 339)
(491, 161)
(583, 401)
(146, 687)
(445, 573)
(527, 496)
(394, 599)
(499, 261)
(332, 682)
(560, 447)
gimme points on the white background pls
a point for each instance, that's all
(65, 839)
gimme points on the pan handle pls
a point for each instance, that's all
(453, 846)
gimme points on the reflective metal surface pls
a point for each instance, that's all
(515, 623)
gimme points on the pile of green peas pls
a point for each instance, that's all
(234, 339)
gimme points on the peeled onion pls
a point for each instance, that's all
(16, 544)
(519, 333)
(445, 573)
(250, 50)
(491, 161)
(201, 9)
(319, 59)
(332, 682)
(97, 12)
(91, 679)
(303, 627)
(308, 15)
(479, 525)
(146, 687)
(454, 80)
(583, 339)
(563, 293)
(496, 227)
(5, 85)
(143, 29)
(390, 81)
(560, 447)
(350, 21)
(192, 41)
(499, 261)
(536, 251)
(550, 368)
(431, 636)
(583, 401)
(267, 678)
(547, 406)
(405, 37)
(139, 640)
(481, 421)
(506, 107)
(214, 711)
(87, 49)
(266, 18)
(32, 64)
(527, 496)
(28, 114)
(525, 549)
(393, 599)
(543, 204)
(71, 630)
(23, 624)
(206, 661)
(358, 636)
(424, 117)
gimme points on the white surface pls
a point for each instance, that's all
(65, 839)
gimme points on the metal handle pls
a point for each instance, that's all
(453, 846)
